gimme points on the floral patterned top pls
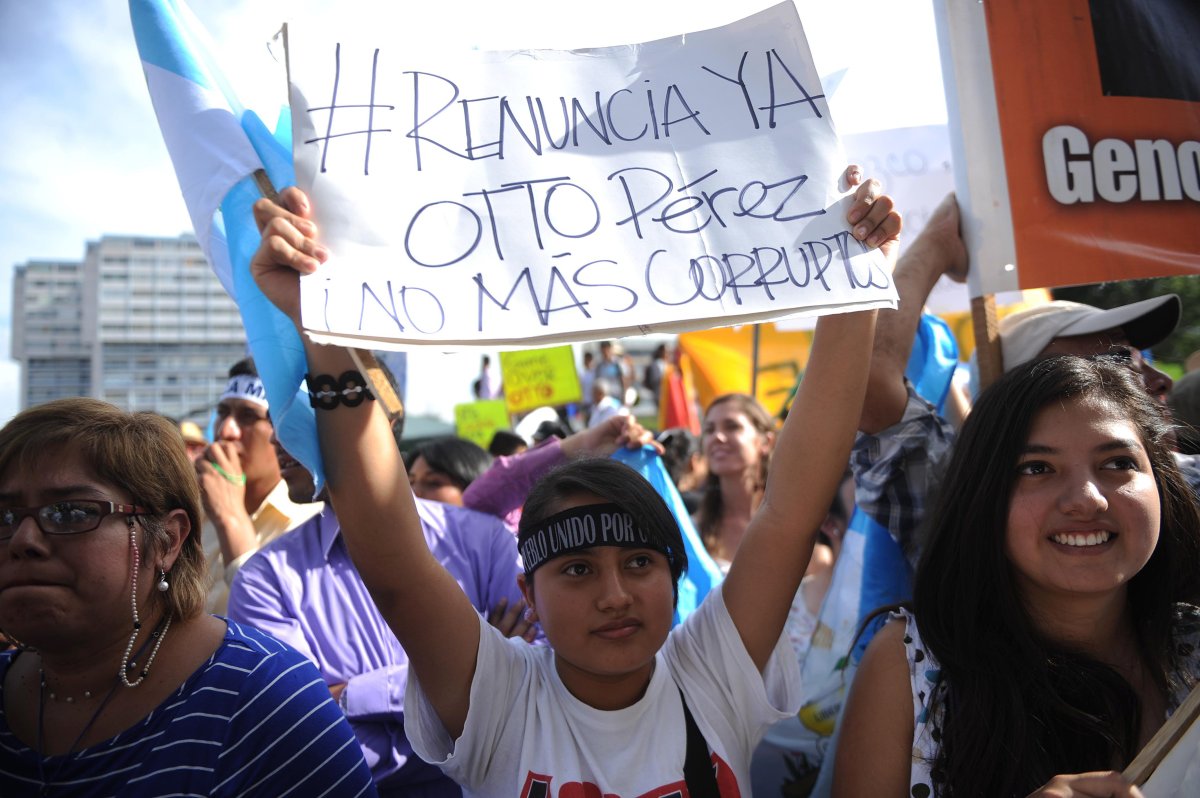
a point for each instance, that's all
(928, 689)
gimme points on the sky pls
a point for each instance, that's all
(81, 154)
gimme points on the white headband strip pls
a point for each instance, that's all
(246, 387)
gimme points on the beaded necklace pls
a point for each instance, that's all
(128, 663)
(156, 636)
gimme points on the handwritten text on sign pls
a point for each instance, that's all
(499, 197)
(538, 377)
(478, 421)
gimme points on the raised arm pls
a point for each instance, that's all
(426, 609)
(938, 250)
(503, 487)
(811, 452)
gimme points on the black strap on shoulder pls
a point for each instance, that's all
(697, 764)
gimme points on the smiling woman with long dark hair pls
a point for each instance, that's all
(1053, 625)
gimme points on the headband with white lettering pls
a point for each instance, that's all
(248, 387)
(582, 528)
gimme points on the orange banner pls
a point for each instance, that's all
(1099, 107)
(721, 362)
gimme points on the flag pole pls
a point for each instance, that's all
(364, 359)
(987, 339)
(755, 344)
(1166, 738)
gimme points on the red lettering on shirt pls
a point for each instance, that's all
(538, 785)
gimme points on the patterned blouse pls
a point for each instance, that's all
(927, 684)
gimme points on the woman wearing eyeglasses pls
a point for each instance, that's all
(119, 683)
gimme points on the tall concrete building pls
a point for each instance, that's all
(47, 331)
(142, 323)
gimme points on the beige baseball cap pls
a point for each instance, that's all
(1024, 335)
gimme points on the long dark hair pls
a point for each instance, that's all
(708, 519)
(1018, 707)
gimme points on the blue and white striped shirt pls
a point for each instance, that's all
(255, 720)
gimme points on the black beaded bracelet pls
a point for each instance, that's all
(325, 392)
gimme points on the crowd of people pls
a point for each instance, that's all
(192, 618)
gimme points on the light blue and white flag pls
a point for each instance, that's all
(216, 145)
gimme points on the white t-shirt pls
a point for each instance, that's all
(526, 735)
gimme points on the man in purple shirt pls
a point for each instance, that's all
(304, 590)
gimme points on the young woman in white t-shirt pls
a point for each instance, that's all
(602, 710)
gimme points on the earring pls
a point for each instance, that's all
(162, 585)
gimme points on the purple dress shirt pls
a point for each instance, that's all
(304, 590)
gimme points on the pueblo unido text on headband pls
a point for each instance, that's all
(582, 528)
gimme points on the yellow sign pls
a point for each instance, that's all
(478, 421)
(539, 377)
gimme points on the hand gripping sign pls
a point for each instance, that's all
(537, 197)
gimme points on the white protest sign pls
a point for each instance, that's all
(531, 197)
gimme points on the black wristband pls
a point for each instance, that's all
(325, 392)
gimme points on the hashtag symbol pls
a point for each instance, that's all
(333, 106)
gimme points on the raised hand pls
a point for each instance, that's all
(288, 249)
(873, 214)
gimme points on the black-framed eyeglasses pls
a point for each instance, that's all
(69, 517)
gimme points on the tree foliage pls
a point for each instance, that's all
(1186, 338)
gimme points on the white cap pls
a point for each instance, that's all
(1024, 335)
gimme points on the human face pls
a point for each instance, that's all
(732, 444)
(59, 591)
(300, 484)
(437, 486)
(246, 425)
(606, 611)
(1084, 514)
(1157, 384)
(195, 449)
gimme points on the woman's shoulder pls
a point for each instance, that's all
(244, 635)
(249, 666)
(271, 701)
(898, 644)
(247, 647)
(905, 627)
(899, 633)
